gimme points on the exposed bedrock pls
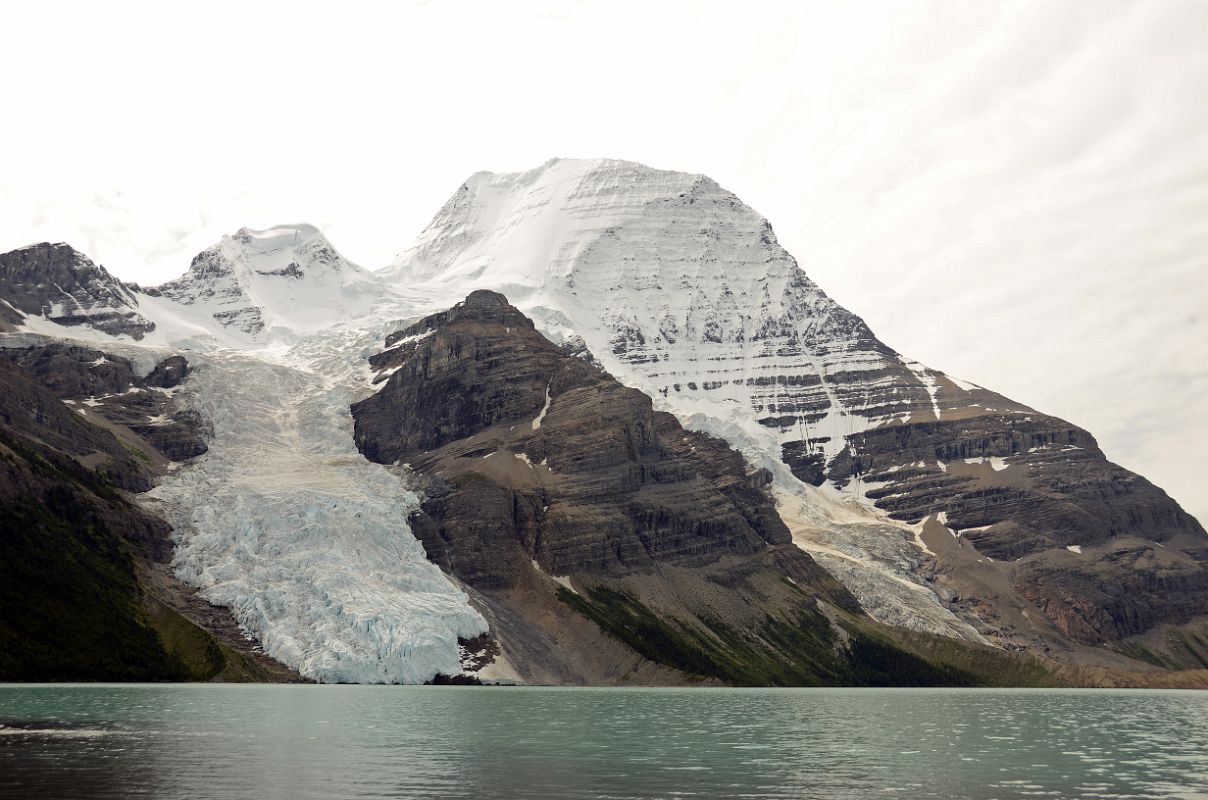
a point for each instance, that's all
(58, 283)
(106, 388)
(1099, 551)
(604, 542)
(85, 586)
(578, 469)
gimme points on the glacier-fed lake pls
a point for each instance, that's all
(291, 742)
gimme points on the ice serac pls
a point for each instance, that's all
(286, 281)
(56, 283)
(944, 491)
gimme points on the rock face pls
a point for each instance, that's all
(106, 388)
(590, 477)
(33, 412)
(683, 291)
(569, 505)
(60, 284)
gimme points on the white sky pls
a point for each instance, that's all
(1014, 193)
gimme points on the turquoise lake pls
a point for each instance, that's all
(265, 741)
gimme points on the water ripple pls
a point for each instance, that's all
(226, 742)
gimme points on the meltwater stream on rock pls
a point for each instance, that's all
(304, 539)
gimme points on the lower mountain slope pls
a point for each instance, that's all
(603, 542)
(84, 591)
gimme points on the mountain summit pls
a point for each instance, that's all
(286, 277)
(61, 285)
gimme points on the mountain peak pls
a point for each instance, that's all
(57, 283)
(520, 231)
(484, 298)
(577, 167)
(285, 276)
(277, 237)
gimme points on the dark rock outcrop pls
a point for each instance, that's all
(29, 409)
(1101, 552)
(671, 562)
(168, 373)
(59, 283)
(540, 455)
(106, 386)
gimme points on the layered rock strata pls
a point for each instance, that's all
(683, 291)
(591, 527)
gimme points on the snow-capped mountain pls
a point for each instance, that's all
(281, 282)
(933, 494)
(941, 506)
(281, 520)
(679, 288)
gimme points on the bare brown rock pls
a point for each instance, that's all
(603, 541)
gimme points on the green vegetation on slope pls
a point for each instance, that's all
(72, 604)
(803, 651)
(69, 600)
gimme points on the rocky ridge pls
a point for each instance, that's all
(60, 284)
(107, 389)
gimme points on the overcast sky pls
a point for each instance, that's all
(1014, 193)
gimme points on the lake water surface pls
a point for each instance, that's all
(226, 742)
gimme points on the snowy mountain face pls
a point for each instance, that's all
(272, 283)
(681, 289)
(890, 471)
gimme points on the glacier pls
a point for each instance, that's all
(306, 541)
(282, 520)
